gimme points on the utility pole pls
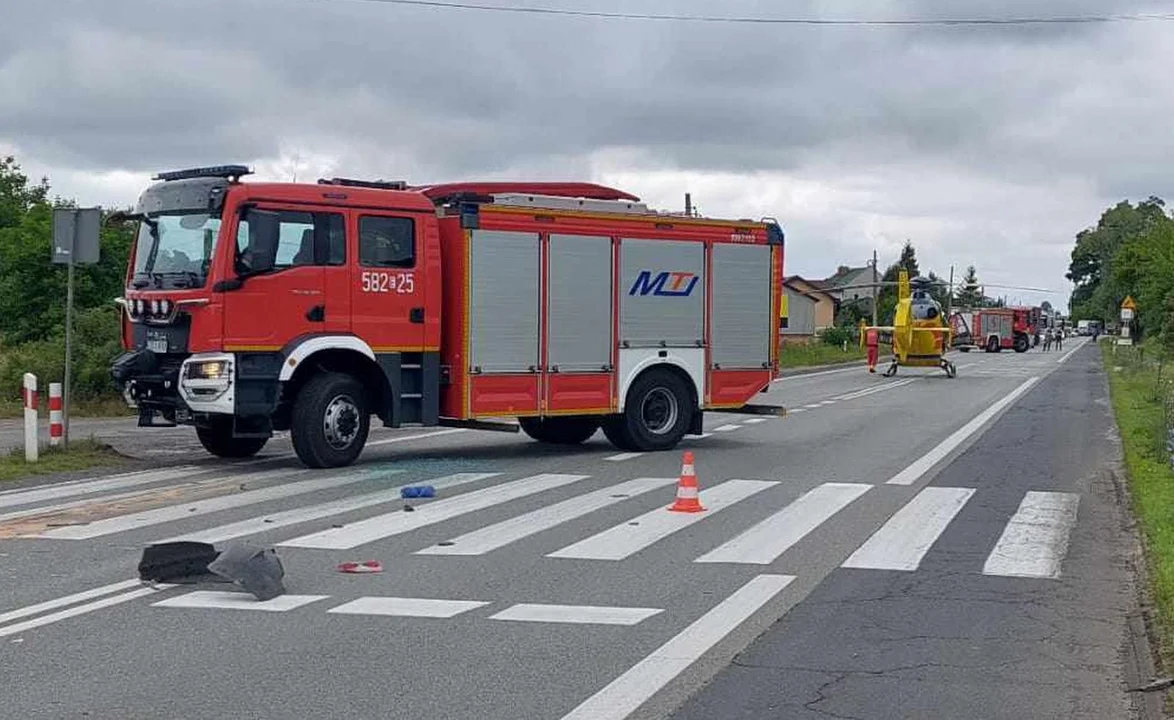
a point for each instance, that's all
(688, 205)
(874, 288)
(950, 297)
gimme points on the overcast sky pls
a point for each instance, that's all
(989, 146)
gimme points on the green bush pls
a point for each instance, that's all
(95, 343)
(839, 335)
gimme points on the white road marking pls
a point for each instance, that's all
(105, 602)
(407, 607)
(170, 513)
(297, 516)
(802, 376)
(420, 436)
(623, 456)
(503, 533)
(629, 691)
(1068, 354)
(922, 465)
(811, 406)
(828, 402)
(903, 541)
(85, 487)
(68, 600)
(633, 536)
(701, 436)
(1035, 540)
(726, 428)
(755, 421)
(798, 410)
(766, 541)
(576, 614)
(396, 523)
(144, 493)
(219, 600)
(876, 389)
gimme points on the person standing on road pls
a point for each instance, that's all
(1047, 340)
(1059, 341)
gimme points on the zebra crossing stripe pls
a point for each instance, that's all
(296, 516)
(576, 614)
(397, 523)
(633, 536)
(903, 541)
(1035, 540)
(86, 487)
(407, 607)
(221, 600)
(503, 533)
(147, 518)
(766, 541)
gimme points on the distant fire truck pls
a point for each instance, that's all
(995, 329)
(257, 307)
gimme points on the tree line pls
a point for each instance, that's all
(32, 293)
(1129, 253)
(968, 292)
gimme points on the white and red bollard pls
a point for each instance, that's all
(56, 422)
(29, 394)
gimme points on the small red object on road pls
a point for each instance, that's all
(370, 566)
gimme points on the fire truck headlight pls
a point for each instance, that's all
(209, 370)
(155, 307)
(205, 382)
(140, 306)
(165, 307)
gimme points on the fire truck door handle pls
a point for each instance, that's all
(416, 315)
(316, 314)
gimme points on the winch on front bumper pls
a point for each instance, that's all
(150, 382)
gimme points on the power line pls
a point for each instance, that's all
(760, 20)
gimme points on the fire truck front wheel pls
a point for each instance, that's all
(217, 439)
(330, 421)
(657, 414)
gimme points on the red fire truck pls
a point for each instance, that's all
(994, 329)
(257, 307)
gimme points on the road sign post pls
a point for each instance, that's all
(1128, 309)
(76, 233)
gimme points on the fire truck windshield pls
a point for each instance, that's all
(174, 250)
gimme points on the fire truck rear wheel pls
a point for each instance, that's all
(1022, 344)
(330, 421)
(218, 440)
(992, 344)
(657, 414)
(559, 430)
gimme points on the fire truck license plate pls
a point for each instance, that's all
(157, 344)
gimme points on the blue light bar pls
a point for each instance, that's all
(221, 171)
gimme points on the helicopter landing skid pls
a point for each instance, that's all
(891, 370)
(951, 370)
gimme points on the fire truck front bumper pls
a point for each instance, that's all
(177, 388)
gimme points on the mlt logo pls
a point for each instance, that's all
(664, 284)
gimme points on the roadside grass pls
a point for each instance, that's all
(1139, 397)
(818, 353)
(102, 407)
(81, 455)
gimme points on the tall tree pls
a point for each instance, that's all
(969, 294)
(32, 289)
(1099, 287)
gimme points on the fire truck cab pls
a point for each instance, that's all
(257, 307)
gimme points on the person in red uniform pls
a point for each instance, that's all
(872, 340)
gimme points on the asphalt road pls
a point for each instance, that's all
(547, 583)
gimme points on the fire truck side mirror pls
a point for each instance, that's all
(261, 254)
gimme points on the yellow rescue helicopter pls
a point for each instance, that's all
(920, 332)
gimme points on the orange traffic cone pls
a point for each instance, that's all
(687, 490)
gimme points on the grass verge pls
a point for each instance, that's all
(82, 455)
(817, 354)
(1138, 402)
(107, 407)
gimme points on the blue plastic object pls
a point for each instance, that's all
(417, 491)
